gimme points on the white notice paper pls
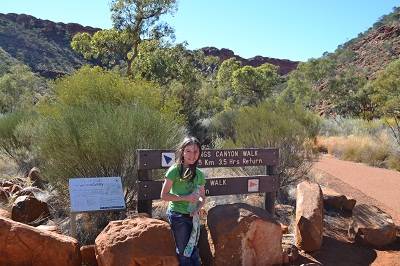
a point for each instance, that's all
(95, 194)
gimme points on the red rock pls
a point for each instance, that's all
(349, 204)
(285, 66)
(22, 244)
(238, 233)
(50, 228)
(4, 195)
(15, 189)
(88, 255)
(28, 209)
(136, 241)
(373, 226)
(285, 229)
(309, 216)
(332, 199)
(5, 214)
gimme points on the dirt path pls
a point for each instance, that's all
(369, 185)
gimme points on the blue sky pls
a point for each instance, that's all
(285, 29)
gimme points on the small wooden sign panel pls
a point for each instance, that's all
(150, 190)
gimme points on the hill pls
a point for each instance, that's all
(372, 50)
(43, 45)
(285, 66)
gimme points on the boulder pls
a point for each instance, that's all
(30, 191)
(337, 201)
(205, 249)
(349, 204)
(6, 183)
(285, 229)
(5, 213)
(34, 178)
(14, 189)
(50, 228)
(22, 244)
(244, 235)
(309, 216)
(289, 248)
(372, 226)
(136, 241)
(332, 199)
(4, 195)
(27, 209)
(88, 255)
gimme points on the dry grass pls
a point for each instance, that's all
(376, 151)
(8, 168)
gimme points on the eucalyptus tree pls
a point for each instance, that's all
(133, 22)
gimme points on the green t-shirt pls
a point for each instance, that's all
(182, 187)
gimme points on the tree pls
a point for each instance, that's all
(386, 96)
(133, 21)
(20, 89)
(306, 82)
(347, 95)
(108, 47)
(253, 84)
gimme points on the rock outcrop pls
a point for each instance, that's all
(88, 255)
(285, 66)
(28, 209)
(337, 201)
(309, 216)
(4, 195)
(372, 226)
(5, 213)
(137, 241)
(244, 235)
(22, 244)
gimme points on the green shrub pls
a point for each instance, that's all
(15, 138)
(101, 140)
(287, 127)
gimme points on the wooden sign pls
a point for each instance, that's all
(150, 190)
(157, 159)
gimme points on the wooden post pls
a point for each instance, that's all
(73, 224)
(144, 205)
(270, 196)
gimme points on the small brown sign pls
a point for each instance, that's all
(150, 190)
(153, 159)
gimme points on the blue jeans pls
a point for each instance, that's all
(181, 225)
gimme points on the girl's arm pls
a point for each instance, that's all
(201, 200)
(165, 195)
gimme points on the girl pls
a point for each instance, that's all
(184, 189)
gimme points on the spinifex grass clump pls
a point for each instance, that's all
(361, 141)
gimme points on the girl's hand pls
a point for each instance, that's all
(193, 198)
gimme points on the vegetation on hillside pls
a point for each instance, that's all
(44, 48)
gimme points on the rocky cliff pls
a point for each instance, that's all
(42, 44)
(285, 66)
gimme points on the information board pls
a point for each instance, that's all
(96, 194)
